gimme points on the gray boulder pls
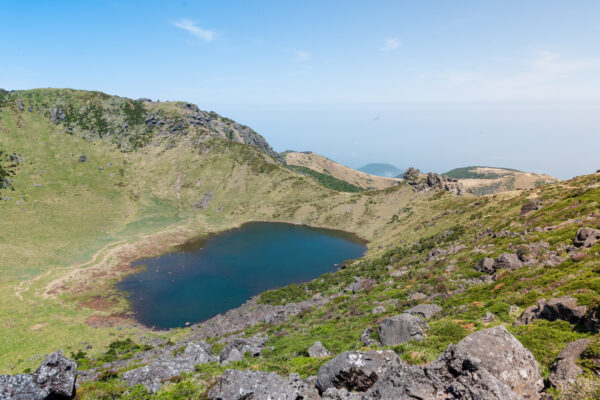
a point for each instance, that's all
(490, 364)
(355, 371)
(82, 158)
(154, 375)
(401, 328)
(317, 350)
(508, 261)
(20, 105)
(237, 348)
(564, 371)
(53, 380)
(486, 265)
(586, 237)
(246, 385)
(563, 308)
(425, 310)
(418, 296)
(500, 353)
(531, 205)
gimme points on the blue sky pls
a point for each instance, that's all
(435, 84)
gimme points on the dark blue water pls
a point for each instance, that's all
(210, 276)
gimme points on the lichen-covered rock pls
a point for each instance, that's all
(246, 385)
(508, 261)
(53, 380)
(154, 375)
(235, 350)
(355, 370)
(504, 357)
(401, 328)
(564, 371)
(490, 364)
(425, 310)
(485, 265)
(586, 237)
(317, 350)
(563, 308)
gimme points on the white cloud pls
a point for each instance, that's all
(190, 27)
(391, 44)
(301, 55)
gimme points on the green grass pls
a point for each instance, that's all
(468, 173)
(327, 180)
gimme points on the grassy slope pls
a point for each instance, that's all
(323, 165)
(80, 213)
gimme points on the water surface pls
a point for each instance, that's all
(210, 276)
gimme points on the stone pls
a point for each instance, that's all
(366, 339)
(586, 237)
(411, 174)
(30, 109)
(486, 265)
(354, 370)
(317, 350)
(378, 310)
(558, 308)
(487, 365)
(54, 379)
(246, 385)
(488, 317)
(401, 328)
(417, 296)
(82, 158)
(425, 310)
(500, 353)
(153, 375)
(531, 205)
(564, 371)
(238, 347)
(508, 261)
(20, 105)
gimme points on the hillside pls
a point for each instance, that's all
(489, 180)
(451, 286)
(381, 169)
(326, 166)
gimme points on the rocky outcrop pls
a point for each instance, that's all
(564, 371)
(53, 380)
(154, 375)
(246, 385)
(433, 181)
(356, 371)
(562, 308)
(504, 260)
(204, 202)
(401, 328)
(586, 237)
(317, 350)
(490, 364)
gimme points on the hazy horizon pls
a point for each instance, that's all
(434, 85)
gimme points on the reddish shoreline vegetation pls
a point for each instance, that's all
(447, 276)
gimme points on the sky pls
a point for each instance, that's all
(430, 84)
